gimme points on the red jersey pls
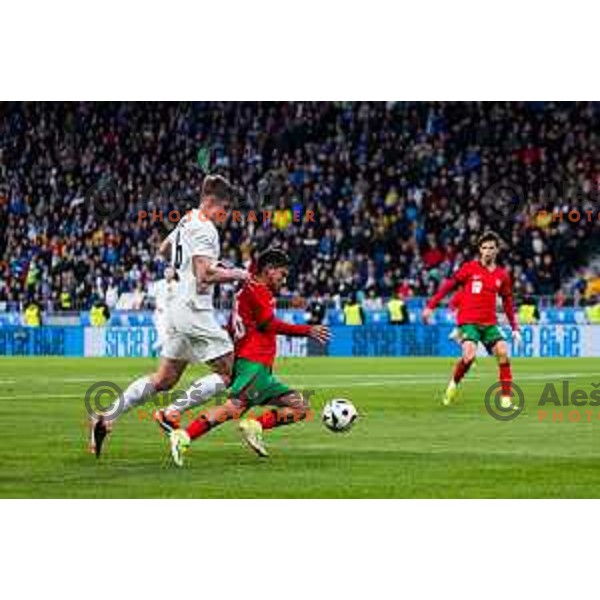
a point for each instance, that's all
(254, 327)
(456, 300)
(479, 290)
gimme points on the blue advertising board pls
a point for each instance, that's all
(544, 341)
(41, 341)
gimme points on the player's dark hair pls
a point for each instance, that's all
(489, 236)
(218, 186)
(272, 257)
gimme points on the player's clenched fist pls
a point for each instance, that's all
(320, 333)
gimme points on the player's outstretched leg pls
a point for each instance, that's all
(199, 392)
(181, 439)
(138, 392)
(294, 408)
(461, 368)
(504, 375)
(99, 429)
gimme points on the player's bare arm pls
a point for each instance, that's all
(165, 249)
(207, 272)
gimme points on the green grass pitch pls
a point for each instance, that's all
(405, 444)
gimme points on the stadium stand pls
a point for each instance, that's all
(399, 192)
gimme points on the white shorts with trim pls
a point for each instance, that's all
(193, 335)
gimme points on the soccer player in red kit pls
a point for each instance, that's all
(480, 281)
(254, 329)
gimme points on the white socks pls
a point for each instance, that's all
(137, 393)
(201, 390)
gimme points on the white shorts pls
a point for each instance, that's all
(193, 335)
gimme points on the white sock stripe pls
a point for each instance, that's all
(137, 392)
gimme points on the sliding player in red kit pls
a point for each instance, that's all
(255, 329)
(480, 281)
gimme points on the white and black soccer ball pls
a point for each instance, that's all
(339, 415)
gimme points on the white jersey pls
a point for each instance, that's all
(163, 292)
(194, 237)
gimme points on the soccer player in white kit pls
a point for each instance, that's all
(164, 292)
(191, 332)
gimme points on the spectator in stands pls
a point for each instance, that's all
(317, 309)
(372, 301)
(592, 312)
(66, 300)
(397, 311)
(401, 184)
(528, 313)
(353, 311)
(99, 313)
(32, 316)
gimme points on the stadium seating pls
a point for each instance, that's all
(400, 191)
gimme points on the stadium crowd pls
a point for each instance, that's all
(400, 192)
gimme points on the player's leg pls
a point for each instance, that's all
(463, 364)
(207, 343)
(500, 351)
(181, 439)
(200, 391)
(293, 408)
(267, 389)
(139, 391)
(247, 377)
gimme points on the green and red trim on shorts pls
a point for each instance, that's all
(488, 335)
(255, 383)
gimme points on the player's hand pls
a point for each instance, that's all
(320, 333)
(426, 315)
(517, 337)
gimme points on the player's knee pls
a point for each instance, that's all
(503, 358)
(164, 381)
(227, 379)
(469, 355)
(223, 367)
(300, 404)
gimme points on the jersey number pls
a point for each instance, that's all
(476, 287)
(239, 329)
(178, 252)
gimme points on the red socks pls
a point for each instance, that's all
(198, 428)
(506, 378)
(461, 369)
(275, 418)
(268, 419)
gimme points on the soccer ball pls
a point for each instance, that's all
(339, 414)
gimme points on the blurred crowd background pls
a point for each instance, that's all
(400, 191)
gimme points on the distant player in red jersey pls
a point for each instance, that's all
(254, 329)
(480, 281)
